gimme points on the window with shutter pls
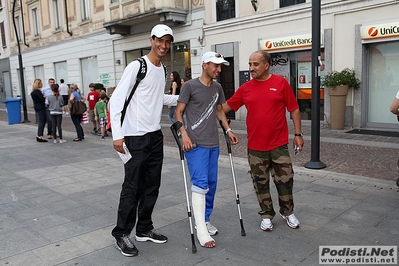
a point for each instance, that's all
(3, 35)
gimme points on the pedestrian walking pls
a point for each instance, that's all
(174, 90)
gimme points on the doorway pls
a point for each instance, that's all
(226, 79)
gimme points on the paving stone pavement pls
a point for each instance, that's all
(58, 205)
(364, 155)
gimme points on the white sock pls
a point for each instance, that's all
(198, 202)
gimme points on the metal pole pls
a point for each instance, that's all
(21, 68)
(315, 162)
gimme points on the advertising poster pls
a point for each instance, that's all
(304, 75)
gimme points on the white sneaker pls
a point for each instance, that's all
(55, 141)
(266, 225)
(63, 140)
(291, 220)
(212, 230)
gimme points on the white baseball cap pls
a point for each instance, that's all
(215, 58)
(161, 30)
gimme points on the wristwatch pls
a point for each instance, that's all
(298, 135)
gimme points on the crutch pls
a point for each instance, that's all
(174, 128)
(234, 177)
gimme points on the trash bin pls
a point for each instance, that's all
(13, 108)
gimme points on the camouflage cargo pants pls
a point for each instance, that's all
(278, 163)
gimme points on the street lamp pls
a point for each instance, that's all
(315, 162)
(21, 69)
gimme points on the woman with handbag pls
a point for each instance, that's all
(76, 116)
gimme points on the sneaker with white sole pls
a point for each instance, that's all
(212, 230)
(266, 225)
(125, 245)
(151, 236)
(291, 220)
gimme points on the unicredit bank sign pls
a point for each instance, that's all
(380, 31)
(290, 42)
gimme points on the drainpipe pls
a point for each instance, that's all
(66, 18)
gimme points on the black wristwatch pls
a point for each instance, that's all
(298, 135)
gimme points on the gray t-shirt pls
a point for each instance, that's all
(201, 122)
(55, 106)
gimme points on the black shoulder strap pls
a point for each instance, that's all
(165, 69)
(140, 76)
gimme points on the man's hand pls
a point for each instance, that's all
(233, 138)
(298, 141)
(186, 143)
(118, 145)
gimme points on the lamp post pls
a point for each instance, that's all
(21, 69)
(315, 162)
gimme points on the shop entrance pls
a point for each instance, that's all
(296, 67)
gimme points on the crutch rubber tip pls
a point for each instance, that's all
(194, 249)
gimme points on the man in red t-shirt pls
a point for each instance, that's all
(92, 99)
(267, 97)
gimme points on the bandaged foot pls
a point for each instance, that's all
(198, 202)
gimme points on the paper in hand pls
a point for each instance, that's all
(125, 156)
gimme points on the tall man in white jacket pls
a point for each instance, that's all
(141, 132)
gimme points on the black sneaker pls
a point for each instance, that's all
(151, 236)
(125, 245)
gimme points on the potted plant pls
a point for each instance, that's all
(338, 83)
(345, 77)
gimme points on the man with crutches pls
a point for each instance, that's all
(201, 99)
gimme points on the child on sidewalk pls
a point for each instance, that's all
(56, 103)
(101, 113)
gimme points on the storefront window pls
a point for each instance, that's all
(296, 67)
(182, 59)
(383, 81)
(177, 59)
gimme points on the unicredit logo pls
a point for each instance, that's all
(373, 31)
(383, 31)
(268, 44)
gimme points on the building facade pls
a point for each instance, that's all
(93, 40)
(362, 35)
(5, 71)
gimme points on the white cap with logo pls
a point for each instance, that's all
(215, 58)
(161, 30)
